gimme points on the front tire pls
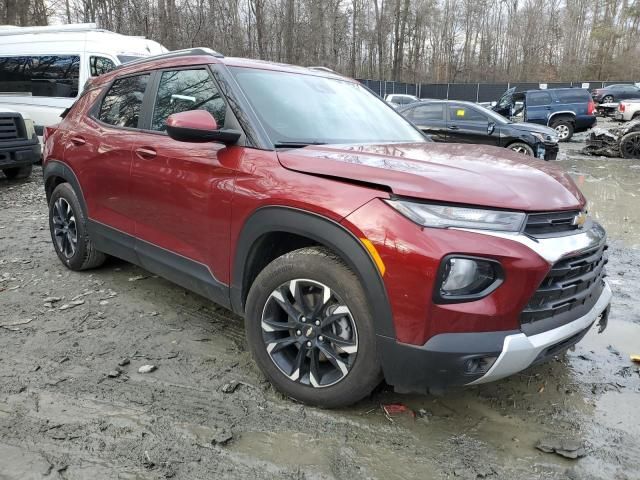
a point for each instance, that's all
(564, 129)
(630, 145)
(16, 173)
(521, 147)
(311, 331)
(608, 99)
(69, 232)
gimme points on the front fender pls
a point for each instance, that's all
(321, 230)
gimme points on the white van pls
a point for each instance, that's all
(43, 69)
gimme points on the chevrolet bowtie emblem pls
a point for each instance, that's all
(579, 219)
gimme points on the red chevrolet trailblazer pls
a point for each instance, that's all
(356, 249)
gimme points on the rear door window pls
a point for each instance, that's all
(100, 65)
(536, 99)
(425, 114)
(462, 113)
(122, 104)
(183, 90)
(573, 96)
(41, 75)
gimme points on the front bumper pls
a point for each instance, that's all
(481, 351)
(19, 154)
(550, 151)
(450, 359)
(520, 351)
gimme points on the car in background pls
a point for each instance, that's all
(627, 110)
(566, 110)
(397, 100)
(622, 141)
(19, 145)
(465, 122)
(615, 93)
(43, 69)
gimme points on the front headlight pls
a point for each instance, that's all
(545, 138)
(447, 216)
(30, 129)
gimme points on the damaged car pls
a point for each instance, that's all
(566, 110)
(622, 141)
(465, 122)
(355, 249)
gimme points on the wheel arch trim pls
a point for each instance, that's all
(273, 219)
(562, 112)
(56, 168)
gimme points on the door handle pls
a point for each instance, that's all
(453, 127)
(78, 141)
(146, 153)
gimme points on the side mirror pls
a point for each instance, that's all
(491, 128)
(199, 126)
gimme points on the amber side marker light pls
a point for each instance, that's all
(374, 254)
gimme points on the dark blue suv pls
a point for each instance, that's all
(566, 110)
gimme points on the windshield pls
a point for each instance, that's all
(302, 109)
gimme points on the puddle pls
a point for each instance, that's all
(320, 451)
(619, 410)
(623, 336)
(612, 187)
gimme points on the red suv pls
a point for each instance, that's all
(354, 247)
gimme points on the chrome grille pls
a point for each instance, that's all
(554, 222)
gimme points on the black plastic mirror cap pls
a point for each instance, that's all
(223, 135)
(440, 298)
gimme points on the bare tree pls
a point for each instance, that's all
(404, 40)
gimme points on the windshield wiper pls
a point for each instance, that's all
(296, 144)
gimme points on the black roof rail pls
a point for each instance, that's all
(175, 54)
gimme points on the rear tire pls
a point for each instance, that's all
(630, 145)
(607, 99)
(17, 172)
(310, 329)
(521, 147)
(69, 232)
(564, 128)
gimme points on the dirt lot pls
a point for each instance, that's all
(73, 405)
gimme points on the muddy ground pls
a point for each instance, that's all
(69, 410)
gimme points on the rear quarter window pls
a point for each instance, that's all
(573, 96)
(122, 104)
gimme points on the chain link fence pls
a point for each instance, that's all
(473, 92)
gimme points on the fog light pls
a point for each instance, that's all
(467, 276)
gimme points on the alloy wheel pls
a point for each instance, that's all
(520, 149)
(607, 99)
(631, 147)
(64, 228)
(562, 131)
(309, 333)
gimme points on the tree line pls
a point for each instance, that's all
(403, 40)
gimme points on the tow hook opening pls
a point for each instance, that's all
(603, 320)
(479, 365)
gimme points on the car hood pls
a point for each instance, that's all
(533, 127)
(456, 173)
